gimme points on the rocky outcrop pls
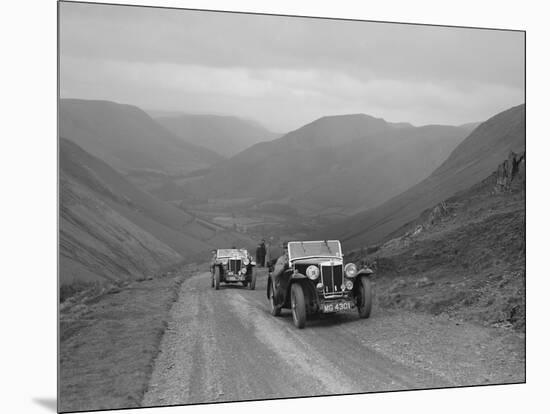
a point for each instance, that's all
(512, 169)
(434, 216)
(508, 177)
(438, 212)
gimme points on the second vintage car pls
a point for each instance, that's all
(311, 278)
(233, 266)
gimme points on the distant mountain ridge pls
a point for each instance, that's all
(344, 161)
(471, 161)
(225, 135)
(127, 138)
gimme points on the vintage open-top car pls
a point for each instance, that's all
(233, 266)
(311, 278)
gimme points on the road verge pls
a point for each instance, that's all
(108, 343)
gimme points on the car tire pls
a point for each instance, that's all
(298, 305)
(253, 280)
(217, 277)
(364, 297)
(212, 279)
(275, 310)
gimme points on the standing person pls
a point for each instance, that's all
(279, 282)
(213, 265)
(267, 254)
(213, 260)
(259, 255)
(262, 253)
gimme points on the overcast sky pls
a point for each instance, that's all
(284, 71)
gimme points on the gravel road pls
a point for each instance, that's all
(225, 346)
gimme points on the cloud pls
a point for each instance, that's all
(287, 71)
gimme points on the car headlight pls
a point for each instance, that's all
(312, 272)
(349, 285)
(243, 271)
(246, 261)
(351, 270)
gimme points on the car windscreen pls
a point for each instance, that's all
(232, 253)
(329, 248)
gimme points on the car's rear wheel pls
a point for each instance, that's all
(217, 278)
(275, 310)
(364, 297)
(298, 305)
(253, 280)
(212, 279)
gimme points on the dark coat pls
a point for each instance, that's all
(258, 255)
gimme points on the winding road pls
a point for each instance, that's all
(223, 345)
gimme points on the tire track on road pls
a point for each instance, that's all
(224, 345)
(339, 350)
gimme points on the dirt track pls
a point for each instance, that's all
(225, 346)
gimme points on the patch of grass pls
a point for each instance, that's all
(108, 344)
(70, 290)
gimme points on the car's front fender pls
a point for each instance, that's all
(365, 272)
(295, 276)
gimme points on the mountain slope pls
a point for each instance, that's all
(464, 256)
(109, 229)
(226, 135)
(127, 138)
(470, 162)
(348, 161)
(97, 243)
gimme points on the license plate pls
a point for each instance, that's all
(234, 278)
(336, 307)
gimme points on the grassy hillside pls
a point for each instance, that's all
(97, 243)
(464, 257)
(473, 160)
(127, 138)
(226, 135)
(110, 230)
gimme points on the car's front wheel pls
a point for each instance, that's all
(217, 278)
(253, 280)
(364, 297)
(275, 310)
(298, 304)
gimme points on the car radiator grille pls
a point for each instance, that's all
(234, 265)
(332, 278)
